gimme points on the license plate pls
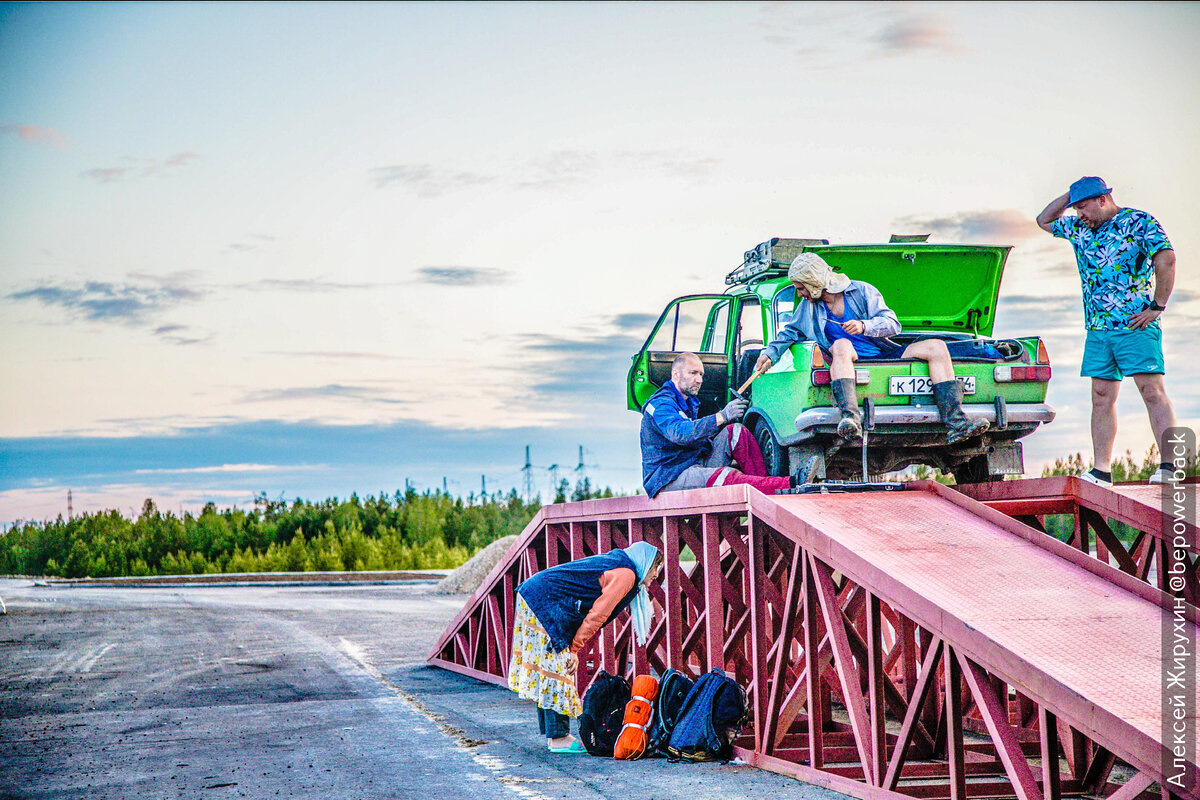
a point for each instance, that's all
(921, 384)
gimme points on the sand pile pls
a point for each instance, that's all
(467, 578)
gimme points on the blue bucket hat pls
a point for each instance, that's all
(1087, 188)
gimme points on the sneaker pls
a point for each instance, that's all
(1162, 476)
(1091, 477)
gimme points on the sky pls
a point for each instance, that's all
(309, 250)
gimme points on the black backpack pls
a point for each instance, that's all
(603, 713)
(712, 717)
(672, 689)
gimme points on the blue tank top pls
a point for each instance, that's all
(864, 345)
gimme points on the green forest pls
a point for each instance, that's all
(430, 530)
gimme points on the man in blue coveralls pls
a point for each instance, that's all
(1127, 267)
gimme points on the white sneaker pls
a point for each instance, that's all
(1162, 476)
(1090, 478)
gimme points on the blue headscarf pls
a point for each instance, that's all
(643, 556)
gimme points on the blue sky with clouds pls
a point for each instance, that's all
(313, 249)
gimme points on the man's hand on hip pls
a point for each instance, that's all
(1144, 318)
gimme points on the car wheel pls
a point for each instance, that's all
(974, 470)
(774, 454)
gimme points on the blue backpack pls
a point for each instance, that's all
(673, 688)
(711, 719)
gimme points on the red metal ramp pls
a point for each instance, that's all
(957, 652)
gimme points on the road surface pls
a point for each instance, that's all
(288, 692)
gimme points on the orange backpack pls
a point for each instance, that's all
(631, 744)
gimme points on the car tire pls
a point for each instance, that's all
(774, 454)
(974, 470)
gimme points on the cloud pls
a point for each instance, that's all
(556, 171)
(211, 470)
(425, 180)
(464, 276)
(559, 170)
(130, 303)
(862, 33)
(334, 354)
(177, 334)
(106, 174)
(304, 285)
(139, 167)
(909, 32)
(669, 163)
(587, 369)
(334, 391)
(34, 133)
(1039, 315)
(991, 226)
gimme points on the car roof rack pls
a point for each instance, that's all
(772, 254)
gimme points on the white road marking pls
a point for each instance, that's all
(488, 762)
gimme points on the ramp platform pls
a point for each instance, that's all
(900, 644)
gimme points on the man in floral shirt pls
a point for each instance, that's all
(1127, 267)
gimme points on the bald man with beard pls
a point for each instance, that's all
(682, 450)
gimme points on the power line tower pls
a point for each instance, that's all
(527, 471)
(70, 507)
(580, 468)
(553, 468)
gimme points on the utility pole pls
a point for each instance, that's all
(445, 491)
(483, 486)
(70, 507)
(528, 471)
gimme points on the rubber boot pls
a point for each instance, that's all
(948, 396)
(846, 397)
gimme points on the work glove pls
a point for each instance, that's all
(734, 409)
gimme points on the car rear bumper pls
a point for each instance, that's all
(1023, 414)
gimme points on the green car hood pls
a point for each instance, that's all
(931, 287)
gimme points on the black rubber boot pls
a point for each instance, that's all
(948, 396)
(846, 398)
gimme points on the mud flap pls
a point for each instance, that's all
(1006, 459)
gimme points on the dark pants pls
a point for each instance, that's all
(553, 724)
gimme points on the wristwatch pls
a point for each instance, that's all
(1156, 307)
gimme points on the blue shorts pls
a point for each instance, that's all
(1111, 355)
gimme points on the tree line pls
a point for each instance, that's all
(430, 530)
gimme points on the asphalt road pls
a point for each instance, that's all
(294, 692)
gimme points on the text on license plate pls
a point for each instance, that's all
(921, 384)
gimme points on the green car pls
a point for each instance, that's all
(943, 291)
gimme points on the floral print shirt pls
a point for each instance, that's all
(1115, 265)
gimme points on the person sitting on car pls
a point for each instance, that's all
(850, 321)
(681, 450)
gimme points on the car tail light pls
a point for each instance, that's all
(1010, 374)
(818, 360)
(821, 377)
(1042, 356)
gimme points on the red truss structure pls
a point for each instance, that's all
(1150, 556)
(893, 645)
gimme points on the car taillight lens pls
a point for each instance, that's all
(821, 377)
(818, 360)
(1010, 374)
(1042, 356)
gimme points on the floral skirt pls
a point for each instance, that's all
(536, 673)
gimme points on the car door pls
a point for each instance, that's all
(693, 324)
